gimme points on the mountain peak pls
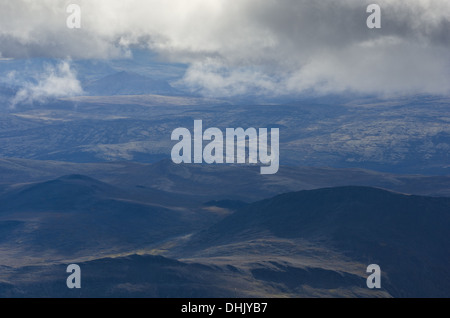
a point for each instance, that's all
(129, 83)
(339, 213)
(61, 194)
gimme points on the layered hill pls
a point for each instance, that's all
(78, 216)
(129, 83)
(406, 235)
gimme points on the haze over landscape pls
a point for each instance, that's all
(86, 175)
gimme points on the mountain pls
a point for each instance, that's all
(72, 192)
(131, 276)
(323, 213)
(245, 183)
(406, 235)
(312, 243)
(128, 83)
(79, 216)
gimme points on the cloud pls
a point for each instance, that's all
(236, 47)
(2, 58)
(59, 81)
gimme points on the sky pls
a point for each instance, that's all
(234, 48)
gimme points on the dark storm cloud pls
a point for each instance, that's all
(233, 47)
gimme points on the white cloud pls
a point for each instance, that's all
(232, 47)
(59, 81)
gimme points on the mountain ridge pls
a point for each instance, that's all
(406, 235)
(129, 83)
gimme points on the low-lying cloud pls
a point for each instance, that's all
(59, 81)
(235, 47)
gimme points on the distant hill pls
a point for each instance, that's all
(128, 83)
(308, 243)
(315, 213)
(71, 192)
(244, 183)
(406, 235)
(129, 276)
(78, 215)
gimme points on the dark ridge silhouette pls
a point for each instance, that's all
(69, 192)
(406, 235)
(129, 83)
